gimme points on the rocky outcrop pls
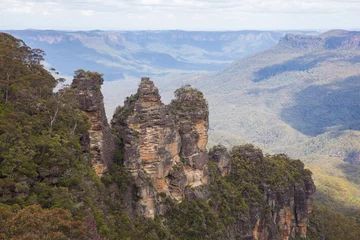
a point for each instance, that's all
(164, 146)
(334, 39)
(301, 41)
(99, 141)
(222, 157)
(283, 213)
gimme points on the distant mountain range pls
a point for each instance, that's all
(300, 97)
(118, 54)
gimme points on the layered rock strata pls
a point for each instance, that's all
(164, 146)
(100, 141)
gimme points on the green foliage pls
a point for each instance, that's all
(42, 161)
(188, 101)
(193, 220)
(324, 222)
(41, 158)
(22, 78)
(226, 197)
(182, 159)
(33, 222)
(122, 113)
(95, 77)
(232, 196)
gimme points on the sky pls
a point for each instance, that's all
(179, 14)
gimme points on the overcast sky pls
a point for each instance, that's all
(179, 14)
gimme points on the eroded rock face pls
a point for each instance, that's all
(164, 145)
(100, 141)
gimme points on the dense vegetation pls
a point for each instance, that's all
(327, 224)
(48, 189)
(41, 159)
(233, 196)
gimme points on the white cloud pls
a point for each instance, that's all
(87, 12)
(18, 7)
(182, 14)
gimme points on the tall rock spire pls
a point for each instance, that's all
(100, 141)
(164, 145)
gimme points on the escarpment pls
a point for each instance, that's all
(99, 141)
(334, 39)
(164, 146)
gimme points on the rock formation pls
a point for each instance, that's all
(100, 141)
(284, 212)
(164, 146)
(164, 149)
(222, 157)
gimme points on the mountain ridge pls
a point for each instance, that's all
(333, 39)
(294, 99)
(138, 53)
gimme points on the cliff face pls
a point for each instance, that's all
(283, 212)
(99, 141)
(163, 145)
(333, 39)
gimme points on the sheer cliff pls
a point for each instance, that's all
(164, 146)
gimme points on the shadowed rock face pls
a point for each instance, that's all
(100, 141)
(164, 145)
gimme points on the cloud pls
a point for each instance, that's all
(87, 12)
(19, 7)
(188, 14)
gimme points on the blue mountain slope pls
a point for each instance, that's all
(154, 53)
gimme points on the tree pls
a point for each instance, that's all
(21, 65)
(33, 222)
